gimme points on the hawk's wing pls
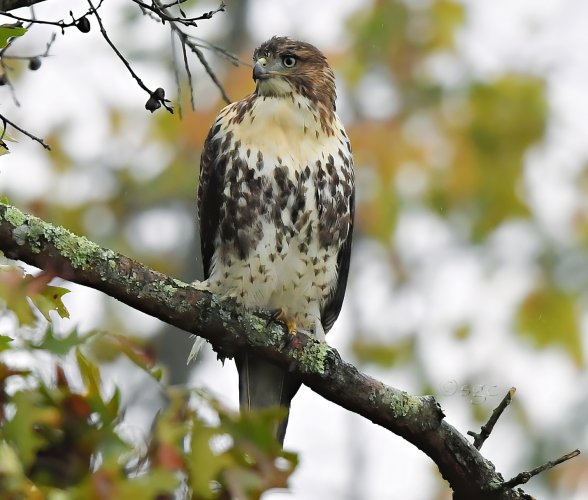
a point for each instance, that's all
(332, 307)
(210, 189)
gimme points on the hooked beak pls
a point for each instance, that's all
(260, 71)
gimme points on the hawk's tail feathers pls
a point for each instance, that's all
(198, 343)
(263, 384)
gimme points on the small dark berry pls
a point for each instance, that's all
(152, 104)
(3, 79)
(159, 93)
(83, 25)
(35, 63)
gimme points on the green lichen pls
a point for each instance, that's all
(20, 234)
(80, 251)
(14, 216)
(35, 232)
(164, 288)
(312, 358)
(401, 403)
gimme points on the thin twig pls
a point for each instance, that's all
(185, 40)
(487, 428)
(189, 73)
(523, 477)
(123, 59)
(175, 3)
(5, 121)
(160, 11)
(204, 44)
(5, 67)
(61, 24)
(176, 73)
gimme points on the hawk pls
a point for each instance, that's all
(276, 205)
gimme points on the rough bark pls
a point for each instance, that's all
(418, 419)
(8, 5)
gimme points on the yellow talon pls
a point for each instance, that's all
(281, 315)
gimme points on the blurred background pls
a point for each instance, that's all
(469, 271)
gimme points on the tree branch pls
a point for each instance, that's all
(6, 5)
(5, 122)
(487, 428)
(418, 419)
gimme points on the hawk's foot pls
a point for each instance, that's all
(281, 315)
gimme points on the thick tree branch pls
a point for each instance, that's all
(7, 5)
(418, 419)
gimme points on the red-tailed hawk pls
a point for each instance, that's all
(276, 204)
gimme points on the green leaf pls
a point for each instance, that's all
(90, 374)
(20, 430)
(9, 31)
(61, 345)
(205, 466)
(13, 292)
(50, 300)
(138, 355)
(156, 483)
(13, 481)
(5, 341)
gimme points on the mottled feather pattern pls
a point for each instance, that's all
(284, 208)
(276, 202)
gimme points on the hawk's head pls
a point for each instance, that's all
(284, 67)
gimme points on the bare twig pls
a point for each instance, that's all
(176, 73)
(523, 477)
(31, 21)
(61, 24)
(5, 121)
(184, 39)
(153, 94)
(175, 3)
(487, 428)
(189, 73)
(232, 58)
(160, 11)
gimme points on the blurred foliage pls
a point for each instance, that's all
(465, 140)
(549, 316)
(468, 139)
(17, 288)
(61, 438)
(385, 354)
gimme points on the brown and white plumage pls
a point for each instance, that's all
(276, 206)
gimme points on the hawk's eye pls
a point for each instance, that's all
(289, 61)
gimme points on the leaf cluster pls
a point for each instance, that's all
(64, 438)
